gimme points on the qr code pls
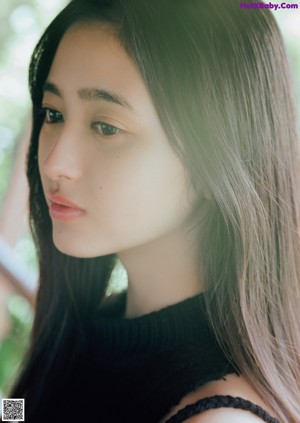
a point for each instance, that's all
(13, 410)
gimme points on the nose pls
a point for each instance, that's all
(60, 154)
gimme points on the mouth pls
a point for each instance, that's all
(63, 209)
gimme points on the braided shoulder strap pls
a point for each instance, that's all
(220, 401)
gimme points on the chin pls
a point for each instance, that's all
(71, 249)
(78, 249)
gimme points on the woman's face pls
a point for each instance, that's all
(103, 148)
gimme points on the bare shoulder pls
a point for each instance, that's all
(236, 386)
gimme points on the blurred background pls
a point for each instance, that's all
(21, 24)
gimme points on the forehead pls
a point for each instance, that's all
(89, 44)
(90, 54)
(93, 33)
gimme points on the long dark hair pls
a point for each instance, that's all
(219, 80)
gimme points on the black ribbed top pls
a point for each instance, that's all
(143, 366)
(155, 332)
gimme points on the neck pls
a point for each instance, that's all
(161, 273)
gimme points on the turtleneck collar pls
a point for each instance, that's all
(155, 332)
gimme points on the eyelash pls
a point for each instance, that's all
(52, 117)
(106, 127)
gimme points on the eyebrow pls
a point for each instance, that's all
(91, 94)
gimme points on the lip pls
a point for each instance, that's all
(63, 209)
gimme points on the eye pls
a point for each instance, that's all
(105, 129)
(52, 116)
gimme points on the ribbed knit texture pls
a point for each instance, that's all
(150, 362)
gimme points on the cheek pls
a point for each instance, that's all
(144, 190)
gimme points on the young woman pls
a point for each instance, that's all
(164, 136)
